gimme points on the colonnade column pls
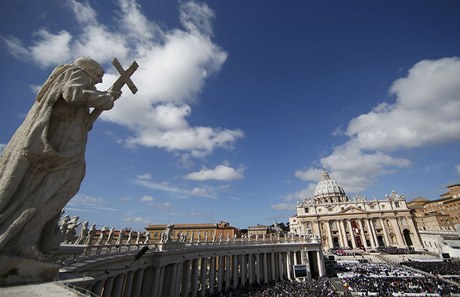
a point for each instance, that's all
(243, 270)
(280, 265)
(203, 275)
(321, 266)
(363, 235)
(108, 287)
(128, 284)
(288, 265)
(257, 268)
(272, 266)
(212, 274)
(137, 284)
(195, 273)
(352, 235)
(220, 273)
(250, 268)
(265, 265)
(118, 285)
(185, 278)
(173, 280)
(235, 271)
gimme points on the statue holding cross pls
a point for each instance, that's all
(43, 165)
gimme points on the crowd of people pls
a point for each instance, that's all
(381, 279)
(321, 287)
(396, 251)
(436, 268)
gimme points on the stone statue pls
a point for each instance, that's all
(167, 233)
(102, 235)
(130, 236)
(63, 227)
(83, 233)
(147, 237)
(43, 165)
(121, 236)
(138, 239)
(71, 226)
(91, 233)
(110, 236)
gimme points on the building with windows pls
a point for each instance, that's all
(195, 231)
(361, 223)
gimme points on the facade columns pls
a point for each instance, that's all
(339, 229)
(329, 235)
(363, 235)
(321, 266)
(385, 233)
(344, 233)
(370, 233)
(352, 234)
(397, 230)
(371, 221)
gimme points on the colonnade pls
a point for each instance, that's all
(199, 273)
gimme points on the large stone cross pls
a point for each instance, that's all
(125, 78)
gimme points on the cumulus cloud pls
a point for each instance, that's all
(424, 113)
(136, 220)
(174, 66)
(220, 172)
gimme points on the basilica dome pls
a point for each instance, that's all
(329, 191)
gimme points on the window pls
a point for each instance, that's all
(306, 209)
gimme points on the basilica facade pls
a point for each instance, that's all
(358, 223)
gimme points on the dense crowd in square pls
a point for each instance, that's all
(381, 279)
(436, 268)
(321, 287)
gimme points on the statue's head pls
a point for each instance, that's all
(91, 67)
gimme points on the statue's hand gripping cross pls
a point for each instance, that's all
(125, 78)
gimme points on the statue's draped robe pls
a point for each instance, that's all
(43, 165)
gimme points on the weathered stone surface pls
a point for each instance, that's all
(43, 165)
(16, 270)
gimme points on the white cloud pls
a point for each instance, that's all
(147, 198)
(220, 172)
(180, 191)
(174, 65)
(136, 220)
(284, 206)
(90, 202)
(425, 113)
(145, 176)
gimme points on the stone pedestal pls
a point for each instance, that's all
(17, 271)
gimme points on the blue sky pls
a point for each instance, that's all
(242, 103)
